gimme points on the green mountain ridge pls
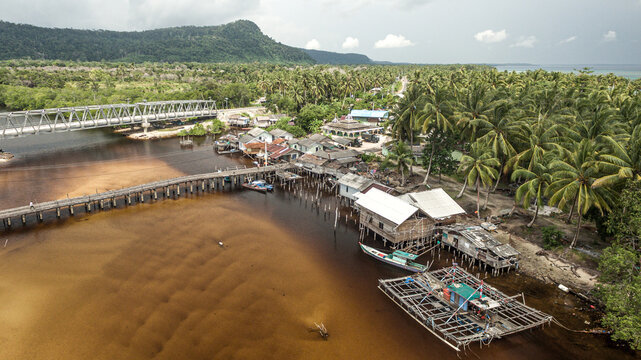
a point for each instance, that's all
(239, 41)
(333, 58)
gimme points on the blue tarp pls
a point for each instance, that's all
(370, 114)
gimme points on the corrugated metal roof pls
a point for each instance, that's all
(386, 205)
(355, 181)
(370, 113)
(256, 132)
(435, 203)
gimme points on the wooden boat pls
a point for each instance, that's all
(259, 185)
(397, 258)
(250, 186)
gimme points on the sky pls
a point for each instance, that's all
(417, 31)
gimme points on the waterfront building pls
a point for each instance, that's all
(350, 128)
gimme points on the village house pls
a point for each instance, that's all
(305, 145)
(349, 128)
(351, 184)
(281, 134)
(238, 120)
(342, 157)
(261, 135)
(262, 121)
(478, 243)
(407, 222)
(282, 153)
(245, 140)
(370, 116)
(311, 163)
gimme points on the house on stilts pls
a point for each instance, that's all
(407, 222)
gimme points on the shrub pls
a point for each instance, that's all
(551, 237)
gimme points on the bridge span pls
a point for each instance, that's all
(30, 122)
(150, 191)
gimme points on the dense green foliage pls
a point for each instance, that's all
(565, 140)
(552, 237)
(240, 41)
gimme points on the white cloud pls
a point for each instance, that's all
(491, 36)
(312, 44)
(350, 43)
(568, 40)
(611, 35)
(525, 41)
(393, 41)
(353, 5)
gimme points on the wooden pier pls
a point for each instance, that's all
(152, 191)
(459, 308)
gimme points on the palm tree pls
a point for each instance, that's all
(538, 178)
(479, 166)
(435, 117)
(402, 155)
(572, 183)
(620, 162)
(501, 132)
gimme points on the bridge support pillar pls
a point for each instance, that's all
(88, 206)
(40, 216)
(24, 219)
(8, 222)
(102, 204)
(70, 209)
(128, 199)
(191, 187)
(145, 125)
(202, 186)
(142, 197)
(58, 213)
(113, 202)
(167, 191)
(155, 195)
(178, 189)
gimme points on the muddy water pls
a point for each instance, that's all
(150, 281)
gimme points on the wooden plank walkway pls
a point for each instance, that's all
(201, 181)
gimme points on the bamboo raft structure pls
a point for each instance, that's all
(481, 315)
(166, 188)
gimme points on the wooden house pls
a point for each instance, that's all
(407, 222)
(477, 243)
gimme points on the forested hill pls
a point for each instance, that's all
(240, 41)
(327, 57)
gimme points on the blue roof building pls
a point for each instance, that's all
(375, 116)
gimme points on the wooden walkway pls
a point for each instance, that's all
(167, 188)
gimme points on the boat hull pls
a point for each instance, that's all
(255, 188)
(381, 256)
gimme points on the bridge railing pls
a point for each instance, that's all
(20, 123)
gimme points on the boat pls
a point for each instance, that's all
(259, 185)
(397, 258)
(263, 183)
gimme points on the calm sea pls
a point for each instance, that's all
(629, 71)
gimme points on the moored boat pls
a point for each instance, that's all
(397, 258)
(259, 185)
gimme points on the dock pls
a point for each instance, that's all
(461, 309)
(151, 191)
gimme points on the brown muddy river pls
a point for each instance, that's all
(150, 281)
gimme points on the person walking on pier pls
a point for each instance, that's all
(31, 205)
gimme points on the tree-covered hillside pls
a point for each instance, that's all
(332, 58)
(240, 41)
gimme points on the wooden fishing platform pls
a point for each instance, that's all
(166, 188)
(459, 308)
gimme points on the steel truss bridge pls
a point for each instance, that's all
(33, 122)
